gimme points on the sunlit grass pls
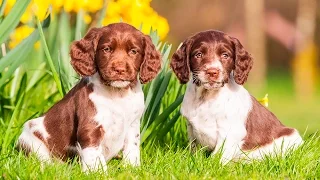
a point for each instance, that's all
(173, 162)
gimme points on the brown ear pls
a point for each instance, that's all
(151, 62)
(243, 62)
(180, 62)
(83, 53)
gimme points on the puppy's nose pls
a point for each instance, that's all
(213, 72)
(119, 69)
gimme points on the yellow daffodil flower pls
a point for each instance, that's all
(264, 101)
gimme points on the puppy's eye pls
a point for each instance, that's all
(133, 51)
(225, 56)
(107, 49)
(198, 55)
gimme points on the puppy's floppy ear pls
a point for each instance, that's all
(243, 62)
(151, 61)
(180, 62)
(83, 53)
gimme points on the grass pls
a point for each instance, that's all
(172, 162)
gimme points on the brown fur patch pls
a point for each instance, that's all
(262, 127)
(39, 136)
(71, 120)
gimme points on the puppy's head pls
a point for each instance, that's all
(118, 52)
(211, 56)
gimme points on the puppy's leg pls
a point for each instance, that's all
(89, 147)
(192, 138)
(131, 149)
(33, 139)
(229, 141)
(92, 158)
(228, 148)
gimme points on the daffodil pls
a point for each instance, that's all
(138, 13)
(19, 34)
(264, 101)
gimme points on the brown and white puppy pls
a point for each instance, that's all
(220, 111)
(101, 115)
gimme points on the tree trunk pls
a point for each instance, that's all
(256, 42)
(304, 63)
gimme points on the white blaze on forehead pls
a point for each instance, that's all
(214, 64)
(119, 84)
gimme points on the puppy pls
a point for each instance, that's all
(221, 114)
(101, 115)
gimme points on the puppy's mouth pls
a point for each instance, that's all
(212, 84)
(119, 84)
(207, 84)
(116, 83)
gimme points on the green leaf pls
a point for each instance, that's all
(102, 14)
(49, 59)
(12, 19)
(66, 71)
(17, 56)
(153, 107)
(79, 24)
(161, 119)
(2, 7)
(22, 87)
(7, 135)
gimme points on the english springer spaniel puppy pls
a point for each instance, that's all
(221, 113)
(101, 115)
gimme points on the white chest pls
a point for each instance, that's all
(218, 115)
(116, 113)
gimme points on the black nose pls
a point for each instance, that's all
(213, 72)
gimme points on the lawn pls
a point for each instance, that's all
(171, 162)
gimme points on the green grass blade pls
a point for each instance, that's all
(49, 59)
(165, 56)
(65, 33)
(167, 126)
(102, 13)
(36, 76)
(2, 7)
(64, 85)
(12, 19)
(160, 133)
(153, 107)
(22, 86)
(20, 52)
(14, 85)
(19, 59)
(161, 119)
(7, 135)
(152, 90)
(18, 55)
(79, 25)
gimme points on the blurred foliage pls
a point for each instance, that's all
(135, 12)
